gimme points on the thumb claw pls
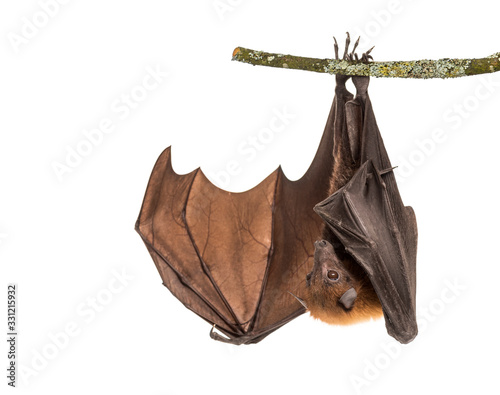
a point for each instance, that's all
(301, 301)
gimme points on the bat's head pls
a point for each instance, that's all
(338, 291)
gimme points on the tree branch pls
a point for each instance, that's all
(442, 68)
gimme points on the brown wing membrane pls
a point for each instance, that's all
(233, 258)
(369, 218)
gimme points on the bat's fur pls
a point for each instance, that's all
(322, 295)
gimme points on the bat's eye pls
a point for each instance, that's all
(333, 275)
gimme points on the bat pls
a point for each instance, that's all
(239, 260)
(365, 265)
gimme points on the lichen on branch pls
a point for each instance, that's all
(441, 68)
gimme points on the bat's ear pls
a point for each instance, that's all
(348, 298)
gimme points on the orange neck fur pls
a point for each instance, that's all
(325, 307)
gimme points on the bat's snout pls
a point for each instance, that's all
(319, 247)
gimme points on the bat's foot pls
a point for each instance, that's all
(351, 56)
(339, 78)
(365, 57)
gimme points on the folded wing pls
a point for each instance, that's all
(369, 218)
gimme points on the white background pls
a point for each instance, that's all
(63, 239)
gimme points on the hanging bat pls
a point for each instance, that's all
(365, 266)
(243, 261)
